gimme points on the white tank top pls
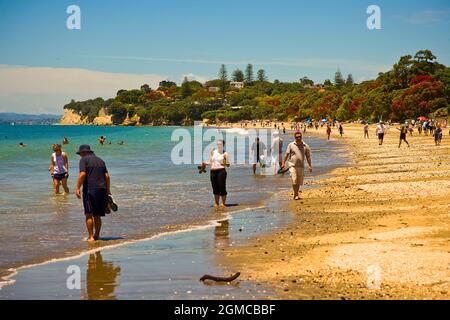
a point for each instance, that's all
(59, 163)
(217, 160)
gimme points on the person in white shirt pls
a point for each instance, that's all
(219, 160)
(380, 130)
(59, 168)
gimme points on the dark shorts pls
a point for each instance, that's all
(218, 182)
(94, 202)
(381, 136)
(59, 176)
(403, 136)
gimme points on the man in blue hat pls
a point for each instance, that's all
(96, 187)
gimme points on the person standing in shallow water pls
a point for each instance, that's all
(94, 178)
(219, 160)
(296, 152)
(258, 150)
(59, 168)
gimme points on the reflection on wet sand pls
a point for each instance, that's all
(222, 240)
(101, 278)
(222, 234)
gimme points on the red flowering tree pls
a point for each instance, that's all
(425, 95)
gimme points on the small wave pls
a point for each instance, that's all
(236, 130)
(7, 280)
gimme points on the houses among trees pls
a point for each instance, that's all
(415, 86)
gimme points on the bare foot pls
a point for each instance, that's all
(91, 239)
(222, 205)
(96, 237)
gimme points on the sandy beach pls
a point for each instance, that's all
(377, 229)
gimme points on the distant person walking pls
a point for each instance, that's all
(438, 135)
(296, 153)
(94, 178)
(341, 129)
(59, 168)
(219, 160)
(328, 131)
(380, 130)
(425, 127)
(403, 131)
(366, 131)
(258, 150)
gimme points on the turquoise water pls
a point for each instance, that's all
(153, 194)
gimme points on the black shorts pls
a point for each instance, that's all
(59, 176)
(381, 136)
(218, 182)
(403, 136)
(94, 202)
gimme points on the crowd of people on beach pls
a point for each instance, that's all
(95, 180)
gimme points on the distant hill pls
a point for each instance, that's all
(8, 117)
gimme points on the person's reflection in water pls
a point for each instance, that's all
(221, 235)
(101, 278)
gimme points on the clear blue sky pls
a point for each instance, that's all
(172, 38)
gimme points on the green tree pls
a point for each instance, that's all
(306, 81)
(238, 75)
(223, 76)
(401, 73)
(118, 112)
(145, 88)
(165, 84)
(249, 77)
(186, 90)
(261, 75)
(349, 82)
(425, 63)
(338, 79)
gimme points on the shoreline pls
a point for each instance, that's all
(227, 214)
(76, 253)
(156, 256)
(355, 235)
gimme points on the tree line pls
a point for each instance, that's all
(415, 86)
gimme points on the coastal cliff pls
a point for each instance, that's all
(72, 117)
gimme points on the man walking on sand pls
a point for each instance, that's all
(296, 152)
(96, 187)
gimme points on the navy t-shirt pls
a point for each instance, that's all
(95, 169)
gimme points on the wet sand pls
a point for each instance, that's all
(378, 229)
(166, 267)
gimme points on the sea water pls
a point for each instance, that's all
(154, 195)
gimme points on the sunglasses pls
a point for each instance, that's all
(298, 137)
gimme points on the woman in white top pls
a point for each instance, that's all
(59, 168)
(219, 161)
